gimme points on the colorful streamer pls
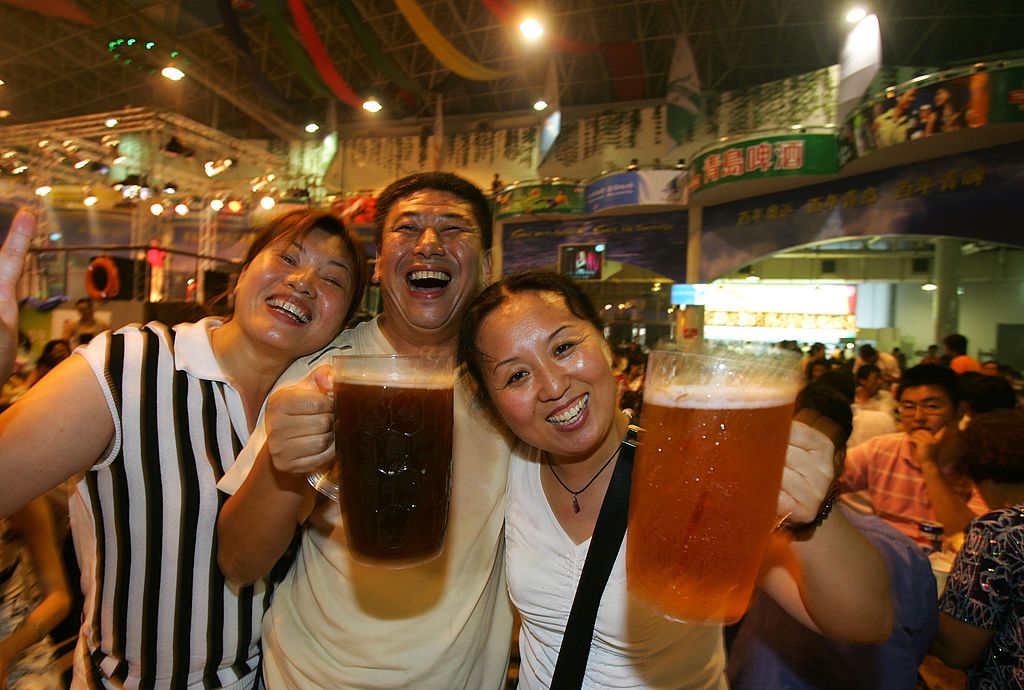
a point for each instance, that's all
(360, 29)
(291, 49)
(504, 12)
(234, 33)
(318, 54)
(61, 9)
(442, 49)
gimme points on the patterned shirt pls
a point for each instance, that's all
(158, 612)
(885, 466)
(986, 590)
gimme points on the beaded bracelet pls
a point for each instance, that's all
(823, 512)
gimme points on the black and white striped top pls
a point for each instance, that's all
(158, 612)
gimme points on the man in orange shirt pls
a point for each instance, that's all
(959, 360)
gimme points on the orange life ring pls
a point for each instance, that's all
(111, 280)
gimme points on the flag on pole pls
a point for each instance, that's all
(437, 141)
(682, 98)
(553, 122)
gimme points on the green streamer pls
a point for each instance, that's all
(384, 63)
(293, 52)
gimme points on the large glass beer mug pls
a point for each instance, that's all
(706, 479)
(393, 443)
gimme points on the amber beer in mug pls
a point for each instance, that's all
(393, 442)
(706, 479)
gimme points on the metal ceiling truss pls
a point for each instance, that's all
(57, 68)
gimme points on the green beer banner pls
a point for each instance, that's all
(767, 156)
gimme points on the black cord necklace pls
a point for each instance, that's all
(575, 501)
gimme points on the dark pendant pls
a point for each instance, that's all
(575, 505)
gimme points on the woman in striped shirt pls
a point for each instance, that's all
(150, 417)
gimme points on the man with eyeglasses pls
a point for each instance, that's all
(909, 475)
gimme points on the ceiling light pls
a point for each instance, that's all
(181, 209)
(4, 114)
(20, 169)
(90, 200)
(312, 127)
(929, 287)
(119, 160)
(256, 184)
(370, 105)
(170, 187)
(267, 202)
(540, 105)
(217, 167)
(54, 236)
(531, 29)
(82, 163)
(2, 82)
(856, 14)
(156, 209)
(234, 205)
(216, 204)
(111, 122)
(172, 73)
(43, 190)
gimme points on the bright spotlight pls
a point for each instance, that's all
(156, 209)
(216, 204)
(929, 287)
(531, 28)
(234, 205)
(372, 105)
(312, 127)
(172, 73)
(856, 14)
(181, 209)
(112, 122)
(540, 105)
(43, 190)
(267, 202)
(90, 200)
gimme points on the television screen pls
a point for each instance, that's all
(581, 261)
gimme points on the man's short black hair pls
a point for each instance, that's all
(986, 393)
(930, 375)
(955, 343)
(442, 182)
(866, 370)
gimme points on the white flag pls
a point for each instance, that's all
(437, 141)
(553, 122)
(682, 97)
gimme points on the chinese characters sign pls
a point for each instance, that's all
(796, 154)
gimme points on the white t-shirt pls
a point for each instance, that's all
(334, 623)
(868, 424)
(633, 647)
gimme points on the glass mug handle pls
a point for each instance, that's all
(322, 482)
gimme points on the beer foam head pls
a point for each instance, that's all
(395, 370)
(719, 397)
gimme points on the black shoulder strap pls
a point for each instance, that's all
(604, 547)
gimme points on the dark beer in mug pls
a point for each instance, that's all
(394, 453)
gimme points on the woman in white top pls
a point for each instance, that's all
(533, 345)
(151, 417)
